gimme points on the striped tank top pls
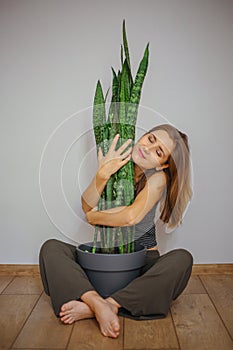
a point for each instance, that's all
(145, 231)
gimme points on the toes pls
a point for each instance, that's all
(110, 333)
(70, 320)
(113, 334)
(63, 308)
(104, 333)
(63, 313)
(65, 319)
(115, 329)
(66, 308)
(116, 326)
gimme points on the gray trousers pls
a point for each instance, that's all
(162, 279)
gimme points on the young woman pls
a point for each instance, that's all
(162, 175)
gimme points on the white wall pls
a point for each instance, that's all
(52, 54)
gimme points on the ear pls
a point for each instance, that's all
(162, 167)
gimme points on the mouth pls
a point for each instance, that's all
(140, 153)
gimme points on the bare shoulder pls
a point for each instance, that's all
(158, 180)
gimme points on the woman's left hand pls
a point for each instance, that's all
(90, 216)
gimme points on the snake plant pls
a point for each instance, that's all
(121, 118)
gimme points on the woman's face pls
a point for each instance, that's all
(152, 150)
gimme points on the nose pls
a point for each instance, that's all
(147, 149)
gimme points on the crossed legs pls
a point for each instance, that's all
(148, 296)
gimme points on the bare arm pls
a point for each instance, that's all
(107, 165)
(133, 214)
(91, 195)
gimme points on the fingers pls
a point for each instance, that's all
(126, 154)
(100, 153)
(114, 143)
(124, 146)
(125, 160)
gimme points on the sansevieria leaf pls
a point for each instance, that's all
(99, 114)
(137, 87)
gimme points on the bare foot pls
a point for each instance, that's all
(105, 313)
(113, 302)
(75, 310)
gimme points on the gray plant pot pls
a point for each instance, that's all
(110, 272)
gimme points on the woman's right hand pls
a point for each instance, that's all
(114, 159)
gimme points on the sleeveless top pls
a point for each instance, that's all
(145, 232)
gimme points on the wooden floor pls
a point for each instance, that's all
(201, 318)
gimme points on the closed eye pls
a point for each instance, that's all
(151, 138)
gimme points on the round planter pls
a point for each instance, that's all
(110, 272)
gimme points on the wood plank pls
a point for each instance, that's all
(194, 286)
(14, 311)
(33, 270)
(206, 269)
(4, 281)
(25, 285)
(198, 325)
(151, 334)
(19, 270)
(86, 335)
(43, 329)
(220, 290)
